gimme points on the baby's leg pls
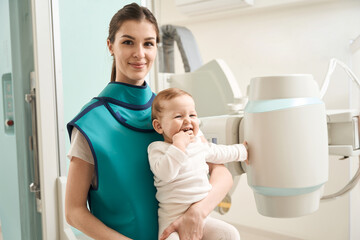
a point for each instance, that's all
(168, 213)
(216, 229)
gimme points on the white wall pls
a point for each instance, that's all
(290, 38)
(355, 195)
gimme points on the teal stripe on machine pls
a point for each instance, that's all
(259, 106)
(282, 192)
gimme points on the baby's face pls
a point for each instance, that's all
(179, 114)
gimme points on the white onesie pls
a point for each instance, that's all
(181, 178)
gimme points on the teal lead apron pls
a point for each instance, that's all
(117, 126)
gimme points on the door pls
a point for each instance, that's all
(18, 205)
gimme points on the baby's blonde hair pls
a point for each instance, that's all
(167, 94)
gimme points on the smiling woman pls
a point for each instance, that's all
(134, 50)
(104, 168)
(133, 43)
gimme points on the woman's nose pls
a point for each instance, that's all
(139, 52)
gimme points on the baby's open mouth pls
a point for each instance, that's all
(187, 129)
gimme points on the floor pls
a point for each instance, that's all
(249, 233)
(245, 232)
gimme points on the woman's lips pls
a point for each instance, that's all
(138, 65)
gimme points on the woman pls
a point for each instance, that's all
(109, 138)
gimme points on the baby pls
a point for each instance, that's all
(179, 162)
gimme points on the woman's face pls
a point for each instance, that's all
(134, 50)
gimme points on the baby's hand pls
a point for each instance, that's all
(181, 140)
(247, 149)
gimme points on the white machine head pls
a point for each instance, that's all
(286, 129)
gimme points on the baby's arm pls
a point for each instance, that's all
(165, 161)
(227, 153)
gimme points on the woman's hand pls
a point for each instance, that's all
(188, 226)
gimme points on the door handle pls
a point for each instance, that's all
(33, 140)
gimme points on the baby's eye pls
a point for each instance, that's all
(178, 116)
(193, 115)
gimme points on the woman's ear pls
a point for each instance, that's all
(157, 126)
(109, 44)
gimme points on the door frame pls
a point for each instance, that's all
(47, 115)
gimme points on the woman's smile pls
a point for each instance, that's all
(138, 65)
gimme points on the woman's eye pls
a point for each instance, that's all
(128, 42)
(149, 44)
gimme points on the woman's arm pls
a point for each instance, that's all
(221, 181)
(76, 211)
(190, 225)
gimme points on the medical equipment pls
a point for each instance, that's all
(285, 126)
(288, 130)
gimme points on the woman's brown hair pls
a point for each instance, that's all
(129, 12)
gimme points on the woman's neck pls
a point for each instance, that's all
(131, 82)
